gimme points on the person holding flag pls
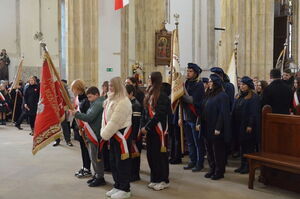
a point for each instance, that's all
(92, 125)
(191, 102)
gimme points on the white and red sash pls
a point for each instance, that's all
(134, 151)
(295, 100)
(87, 128)
(121, 138)
(159, 130)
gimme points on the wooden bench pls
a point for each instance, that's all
(280, 151)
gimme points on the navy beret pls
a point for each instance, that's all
(217, 70)
(195, 67)
(248, 81)
(216, 79)
(205, 80)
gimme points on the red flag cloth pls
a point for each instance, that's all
(47, 124)
(120, 4)
(60, 100)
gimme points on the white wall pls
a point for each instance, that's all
(109, 40)
(21, 22)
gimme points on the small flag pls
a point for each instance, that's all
(232, 73)
(120, 4)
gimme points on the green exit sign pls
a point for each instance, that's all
(109, 69)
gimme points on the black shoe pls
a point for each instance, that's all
(238, 170)
(56, 143)
(78, 172)
(97, 182)
(19, 127)
(175, 161)
(135, 178)
(189, 166)
(216, 177)
(91, 180)
(244, 170)
(197, 168)
(209, 174)
(69, 143)
(31, 133)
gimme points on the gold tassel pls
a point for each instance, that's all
(163, 149)
(135, 155)
(124, 156)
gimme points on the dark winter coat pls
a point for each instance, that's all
(279, 96)
(246, 113)
(31, 98)
(216, 116)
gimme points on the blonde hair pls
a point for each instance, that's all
(78, 85)
(119, 89)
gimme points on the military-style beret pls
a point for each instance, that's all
(216, 79)
(205, 80)
(217, 70)
(195, 67)
(248, 81)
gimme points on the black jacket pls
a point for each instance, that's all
(31, 98)
(136, 117)
(246, 113)
(162, 110)
(196, 92)
(279, 96)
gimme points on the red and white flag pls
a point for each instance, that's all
(2, 98)
(120, 4)
(47, 124)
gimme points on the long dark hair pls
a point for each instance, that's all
(216, 89)
(153, 91)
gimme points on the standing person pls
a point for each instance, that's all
(82, 104)
(261, 86)
(105, 148)
(155, 125)
(288, 78)
(92, 126)
(245, 121)
(136, 145)
(278, 94)
(191, 103)
(17, 94)
(229, 87)
(4, 63)
(296, 98)
(139, 94)
(215, 124)
(31, 99)
(4, 106)
(116, 127)
(205, 81)
(65, 125)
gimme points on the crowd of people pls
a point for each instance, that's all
(217, 122)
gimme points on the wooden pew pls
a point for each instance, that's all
(279, 159)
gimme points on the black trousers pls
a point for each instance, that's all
(66, 129)
(216, 156)
(31, 118)
(157, 160)
(86, 161)
(136, 162)
(246, 146)
(175, 142)
(120, 168)
(106, 159)
(21, 118)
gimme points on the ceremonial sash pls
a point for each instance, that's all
(134, 151)
(121, 138)
(159, 130)
(2, 98)
(295, 100)
(192, 108)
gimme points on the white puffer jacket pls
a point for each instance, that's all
(117, 114)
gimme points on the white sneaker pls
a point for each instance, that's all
(151, 185)
(161, 186)
(111, 192)
(120, 195)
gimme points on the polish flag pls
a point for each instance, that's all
(120, 4)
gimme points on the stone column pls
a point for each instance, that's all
(83, 41)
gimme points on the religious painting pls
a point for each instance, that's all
(163, 49)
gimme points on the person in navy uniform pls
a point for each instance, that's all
(245, 121)
(215, 125)
(205, 81)
(191, 102)
(229, 87)
(136, 144)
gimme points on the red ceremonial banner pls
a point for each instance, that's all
(47, 124)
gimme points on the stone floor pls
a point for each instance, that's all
(50, 174)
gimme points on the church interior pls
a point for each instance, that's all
(92, 40)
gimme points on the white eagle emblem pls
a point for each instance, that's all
(41, 106)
